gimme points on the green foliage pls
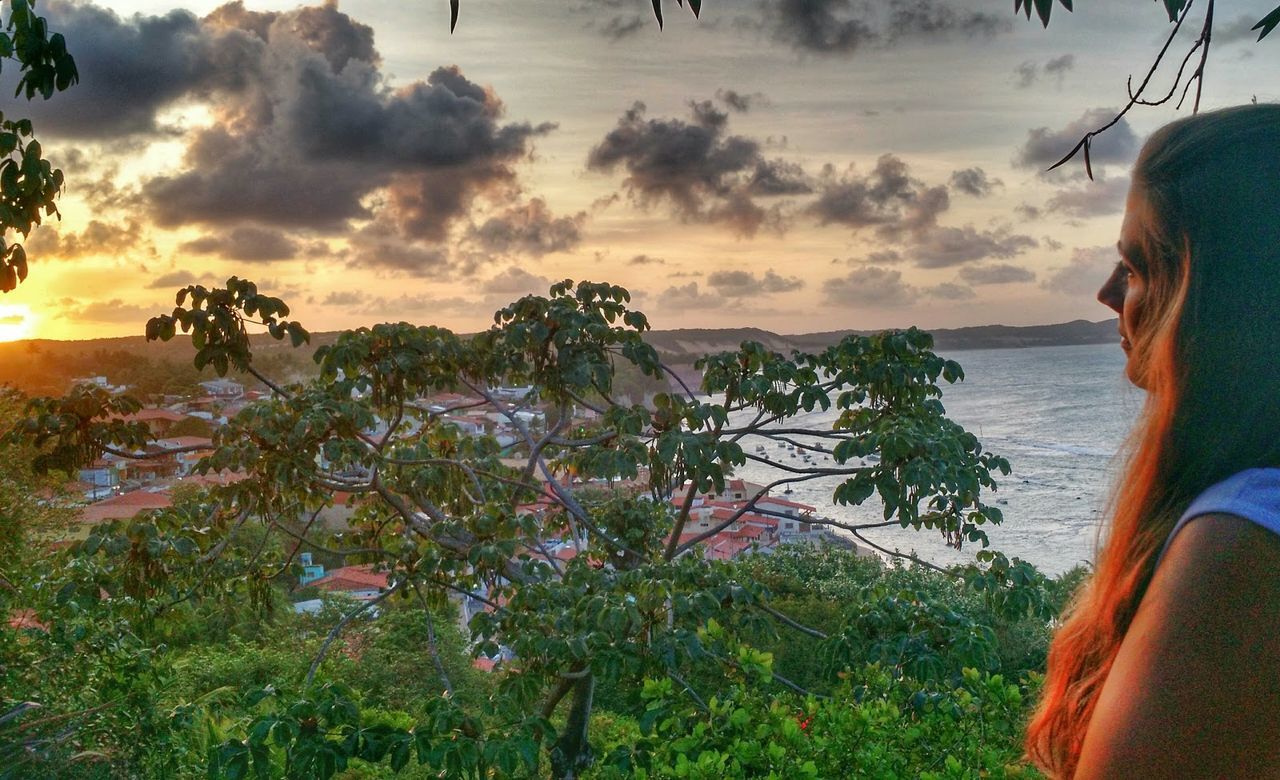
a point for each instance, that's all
(449, 515)
(29, 184)
(874, 725)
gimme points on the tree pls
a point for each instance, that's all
(452, 514)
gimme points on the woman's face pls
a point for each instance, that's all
(1125, 290)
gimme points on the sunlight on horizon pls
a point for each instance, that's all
(16, 322)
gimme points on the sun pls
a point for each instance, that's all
(16, 322)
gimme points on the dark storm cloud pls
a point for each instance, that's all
(250, 244)
(738, 284)
(869, 286)
(887, 198)
(975, 182)
(1098, 198)
(529, 229)
(1000, 273)
(842, 27)
(129, 69)
(937, 19)
(818, 26)
(307, 130)
(942, 247)
(1044, 146)
(697, 168)
(1088, 268)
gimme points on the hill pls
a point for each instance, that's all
(46, 366)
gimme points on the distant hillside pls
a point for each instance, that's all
(44, 366)
(683, 346)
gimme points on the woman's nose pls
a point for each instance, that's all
(1111, 294)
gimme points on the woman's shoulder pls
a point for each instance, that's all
(1193, 689)
(1252, 495)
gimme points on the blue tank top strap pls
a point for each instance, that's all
(1253, 494)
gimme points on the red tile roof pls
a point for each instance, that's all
(349, 578)
(124, 506)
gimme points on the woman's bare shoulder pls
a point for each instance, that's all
(1194, 688)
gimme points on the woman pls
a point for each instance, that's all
(1168, 664)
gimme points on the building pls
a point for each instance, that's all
(223, 389)
(125, 506)
(362, 582)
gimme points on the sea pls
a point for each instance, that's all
(1058, 414)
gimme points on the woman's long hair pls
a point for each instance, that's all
(1207, 350)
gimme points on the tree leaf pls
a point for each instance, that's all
(1268, 23)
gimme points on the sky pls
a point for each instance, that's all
(793, 165)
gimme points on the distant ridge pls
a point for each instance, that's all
(685, 345)
(21, 362)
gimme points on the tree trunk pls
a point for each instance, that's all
(571, 753)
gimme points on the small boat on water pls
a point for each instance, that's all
(788, 491)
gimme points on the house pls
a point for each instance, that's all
(185, 460)
(98, 480)
(310, 571)
(124, 506)
(158, 421)
(361, 582)
(223, 389)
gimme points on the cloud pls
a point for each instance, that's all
(887, 198)
(697, 168)
(950, 291)
(344, 298)
(623, 26)
(529, 229)
(936, 19)
(736, 100)
(817, 26)
(1239, 29)
(870, 286)
(1098, 198)
(879, 257)
(385, 251)
(97, 238)
(1086, 271)
(646, 260)
(114, 311)
(306, 130)
(1028, 72)
(975, 182)
(1000, 273)
(247, 243)
(516, 281)
(687, 296)
(842, 28)
(739, 284)
(941, 247)
(1044, 146)
(172, 280)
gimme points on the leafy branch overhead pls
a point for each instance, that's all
(1177, 11)
(29, 184)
